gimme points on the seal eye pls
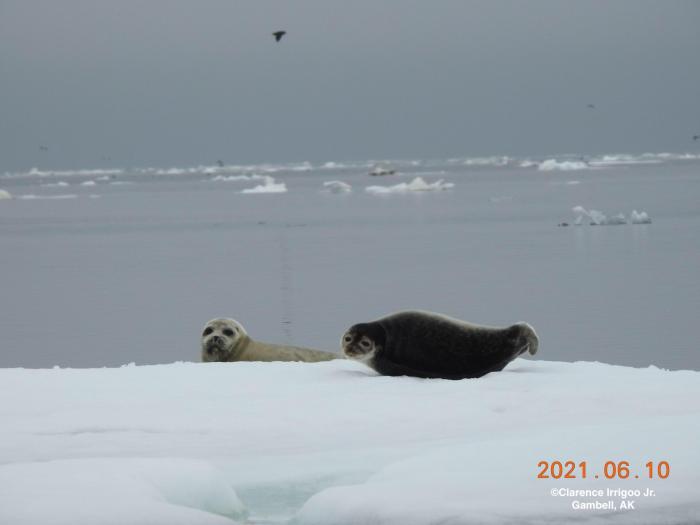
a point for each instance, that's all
(347, 338)
(228, 332)
(207, 330)
(365, 343)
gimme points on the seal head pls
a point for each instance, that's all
(363, 341)
(222, 340)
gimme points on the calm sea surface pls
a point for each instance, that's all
(127, 266)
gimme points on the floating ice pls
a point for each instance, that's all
(303, 166)
(598, 218)
(337, 186)
(235, 178)
(4, 194)
(88, 183)
(640, 217)
(617, 220)
(32, 197)
(622, 160)
(59, 184)
(417, 184)
(70, 173)
(487, 161)
(565, 165)
(672, 156)
(528, 164)
(270, 186)
(381, 169)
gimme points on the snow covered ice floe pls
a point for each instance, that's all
(564, 165)
(640, 217)
(237, 178)
(269, 186)
(336, 186)
(417, 184)
(192, 443)
(34, 197)
(497, 161)
(598, 218)
(4, 194)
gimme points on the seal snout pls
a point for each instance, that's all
(349, 345)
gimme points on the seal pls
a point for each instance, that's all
(426, 344)
(226, 340)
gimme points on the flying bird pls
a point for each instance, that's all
(591, 106)
(696, 137)
(278, 35)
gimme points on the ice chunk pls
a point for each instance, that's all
(33, 197)
(337, 186)
(270, 186)
(565, 165)
(417, 184)
(640, 217)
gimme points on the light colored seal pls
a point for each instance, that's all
(425, 344)
(226, 340)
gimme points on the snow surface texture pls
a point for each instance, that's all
(333, 443)
(598, 218)
(417, 184)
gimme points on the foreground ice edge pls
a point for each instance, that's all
(170, 443)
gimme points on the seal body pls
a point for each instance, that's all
(226, 340)
(424, 344)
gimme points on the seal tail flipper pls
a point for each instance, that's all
(530, 340)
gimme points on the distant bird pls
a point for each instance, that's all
(43, 148)
(591, 106)
(220, 163)
(278, 35)
(696, 137)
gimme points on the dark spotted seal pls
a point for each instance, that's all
(424, 344)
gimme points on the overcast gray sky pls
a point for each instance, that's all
(171, 82)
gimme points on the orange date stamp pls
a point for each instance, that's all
(608, 470)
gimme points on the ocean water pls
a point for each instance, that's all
(107, 267)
